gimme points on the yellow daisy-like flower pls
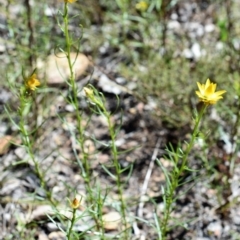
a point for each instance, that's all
(207, 92)
(141, 6)
(69, 1)
(32, 82)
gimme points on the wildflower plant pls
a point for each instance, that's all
(27, 107)
(75, 204)
(180, 158)
(96, 196)
(98, 100)
(95, 199)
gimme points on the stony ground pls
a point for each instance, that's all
(208, 216)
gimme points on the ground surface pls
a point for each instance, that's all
(209, 208)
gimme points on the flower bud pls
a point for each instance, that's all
(75, 203)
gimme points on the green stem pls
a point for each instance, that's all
(86, 174)
(118, 171)
(27, 143)
(175, 177)
(86, 170)
(71, 224)
(193, 137)
(114, 152)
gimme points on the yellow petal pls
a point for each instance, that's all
(199, 94)
(220, 92)
(201, 87)
(207, 83)
(210, 90)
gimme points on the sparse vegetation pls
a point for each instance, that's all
(103, 135)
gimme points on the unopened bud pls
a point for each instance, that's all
(88, 92)
(75, 203)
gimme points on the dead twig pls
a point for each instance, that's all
(146, 180)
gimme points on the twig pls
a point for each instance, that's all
(146, 180)
(31, 57)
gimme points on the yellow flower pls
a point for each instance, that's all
(32, 82)
(207, 92)
(69, 1)
(141, 6)
(75, 203)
